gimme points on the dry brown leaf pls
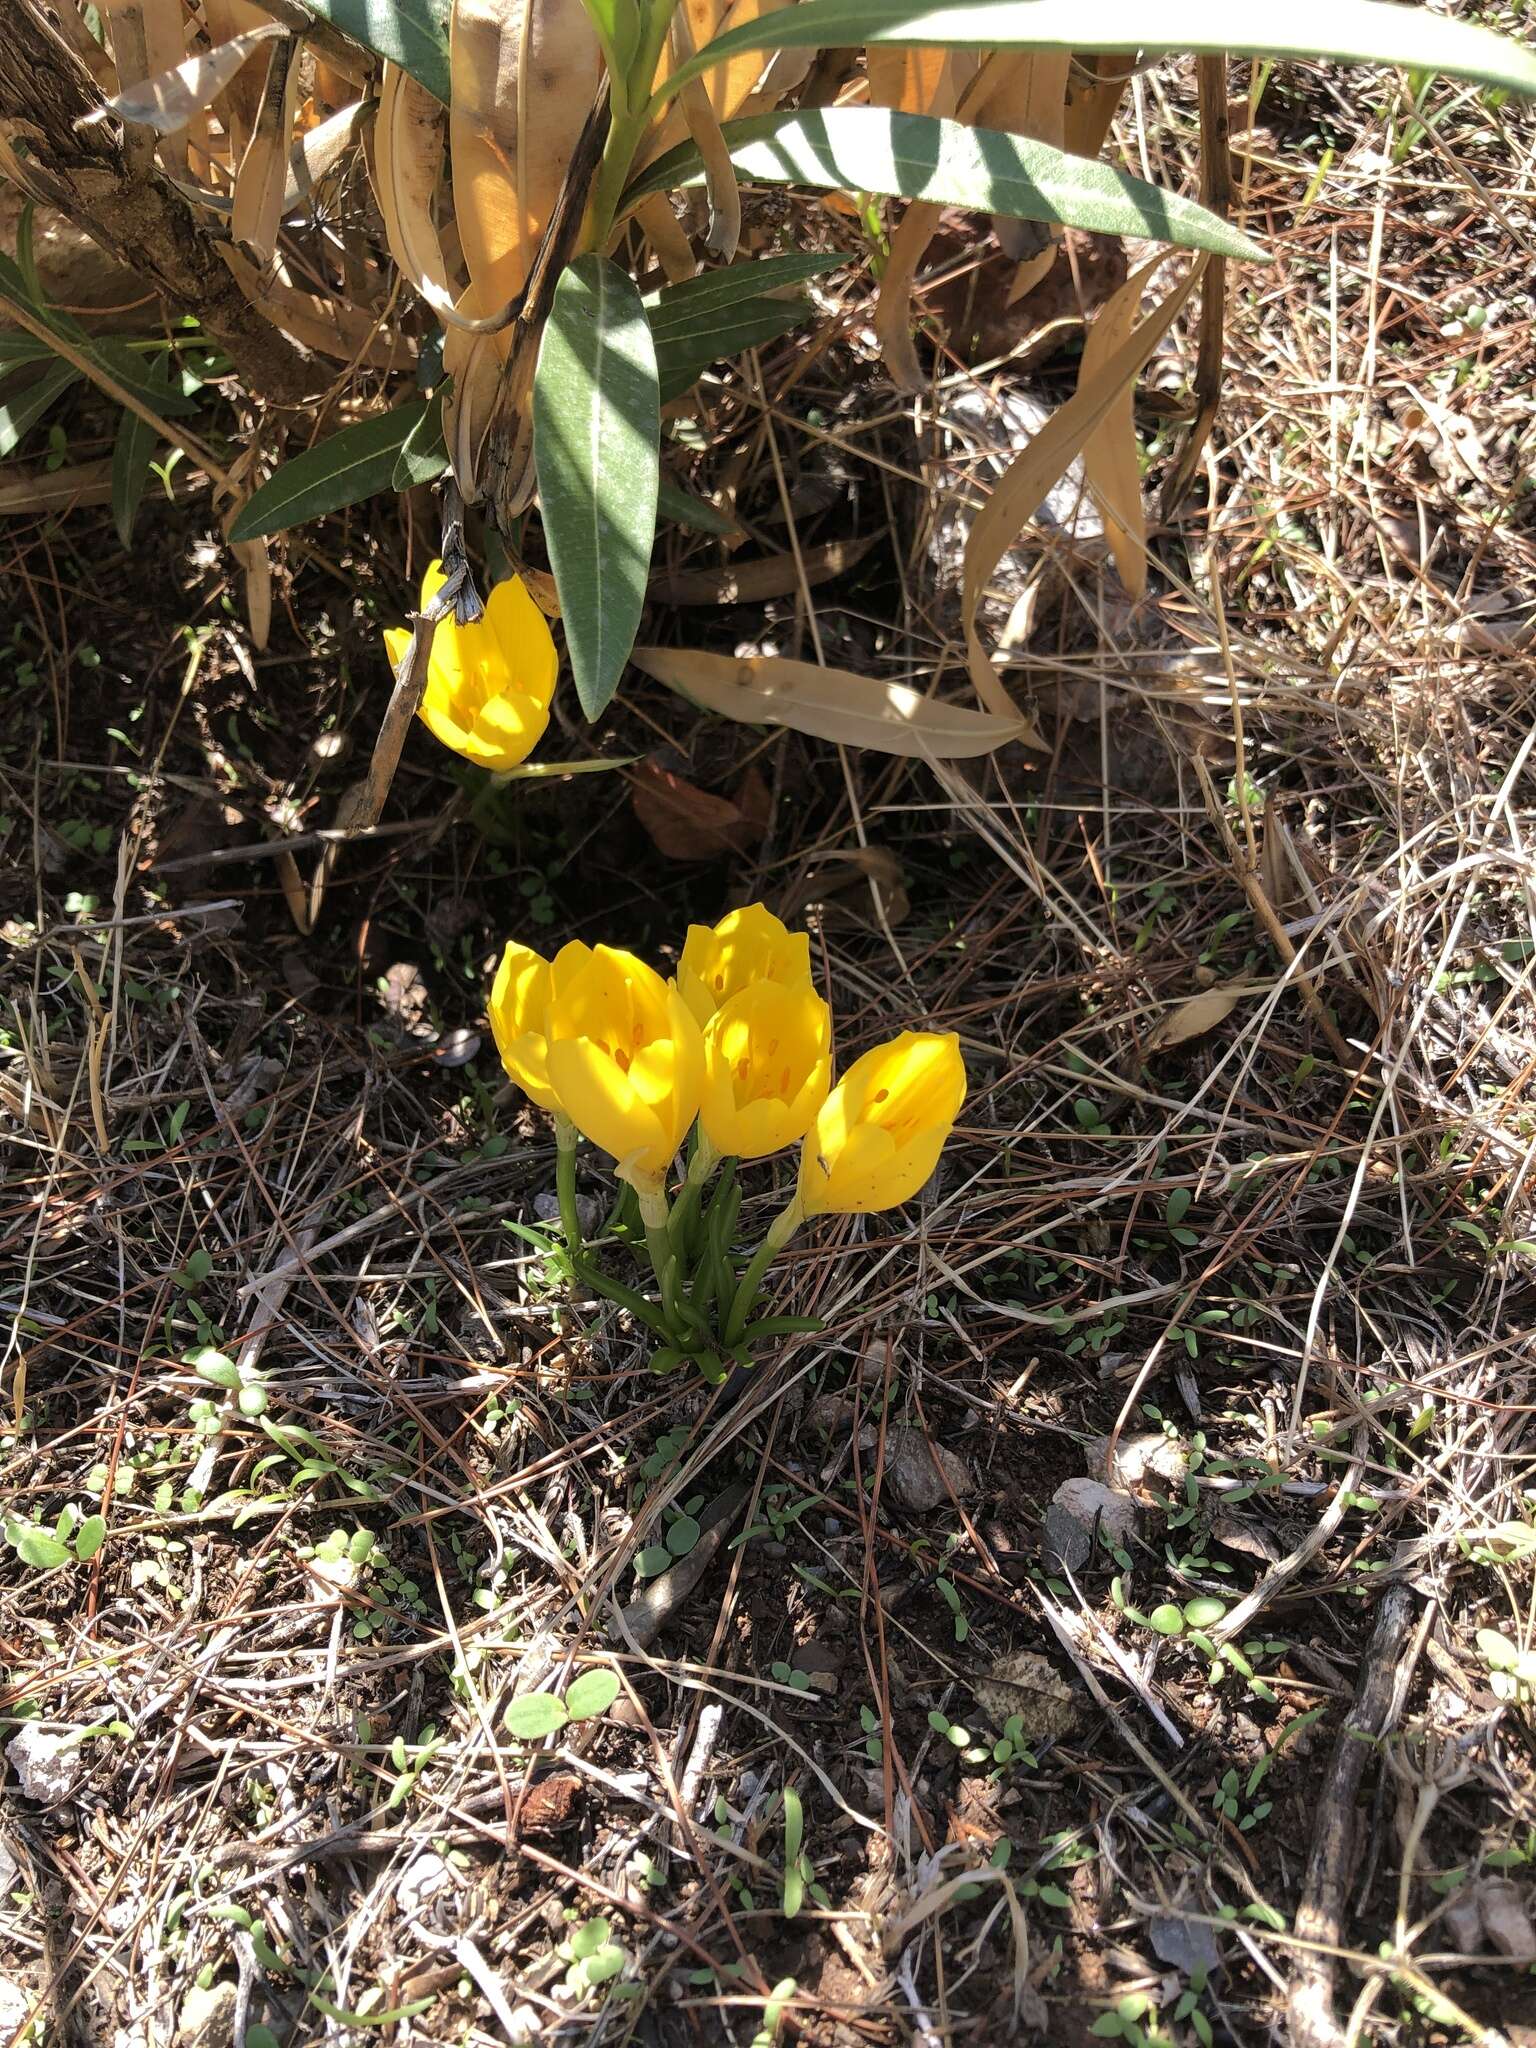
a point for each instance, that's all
(1095, 87)
(262, 178)
(764, 576)
(321, 148)
(724, 233)
(830, 704)
(1194, 1017)
(729, 86)
(843, 891)
(406, 168)
(168, 101)
(689, 823)
(524, 80)
(321, 324)
(82, 483)
(1037, 466)
(908, 81)
(662, 230)
(240, 102)
(1110, 466)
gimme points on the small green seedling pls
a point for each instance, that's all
(534, 1715)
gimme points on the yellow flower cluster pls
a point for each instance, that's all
(742, 1041)
(489, 683)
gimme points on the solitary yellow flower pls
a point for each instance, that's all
(519, 1009)
(767, 1068)
(488, 684)
(625, 1059)
(881, 1130)
(747, 945)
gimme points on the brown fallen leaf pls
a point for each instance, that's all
(765, 576)
(689, 823)
(842, 890)
(1192, 1019)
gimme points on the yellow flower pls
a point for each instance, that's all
(745, 946)
(519, 1010)
(881, 1130)
(767, 1068)
(625, 1059)
(488, 684)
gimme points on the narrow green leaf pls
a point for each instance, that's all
(1364, 31)
(794, 1825)
(682, 508)
(410, 33)
(915, 156)
(341, 470)
(597, 450)
(424, 453)
(592, 1694)
(131, 451)
(110, 354)
(734, 283)
(21, 409)
(535, 1715)
(686, 354)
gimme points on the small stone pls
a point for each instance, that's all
(1077, 1508)
(922, 1474)
(422, 1880)
(589, 1210)
(821, 1663)
(1026, 1684)
(15, 2004)
(1188, 1945)
(1138, 1461)
(207, 2017)
(48, 1764)
(10, 1870)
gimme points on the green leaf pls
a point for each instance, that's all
(1167, 1619)
(1368, 31)
(410, 33)
(131, 451)
(113, 356)
(682, 360)
(424, 453)
(915, 156)
(589, 1937)
(794, 1825)
(592, 1694)
(603, 1963)
(20, 410)
(1204, 1612)
(597, 450)
(534, 1715)
(682, 1536)
(90, 1536)
(43, 1552)
(682, 508)
(341, 470)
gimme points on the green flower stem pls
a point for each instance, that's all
(654, 1214)
(629, 117)
(703, 1163)
(780, 1231)
(566, 1141)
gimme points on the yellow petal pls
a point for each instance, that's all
(600, 1102)
(397, 642)
(509, 728)
(524, 640)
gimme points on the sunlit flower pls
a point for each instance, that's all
(625, 1058)
(747, 945)
(879, 1133)
(489, 684)
(767, 1068)
(519, 1011)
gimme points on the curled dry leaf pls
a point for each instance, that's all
(239, 103)
(168, 101)
(688, 823)
(1193, 1018)
(262, 178)
(765, 576)
(407, 168)
(1110, 454)
(1031, 474)
(842, 891)
(830, 704)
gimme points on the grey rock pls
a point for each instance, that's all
(1077, 1507)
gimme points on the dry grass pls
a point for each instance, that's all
(1282, 1241)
